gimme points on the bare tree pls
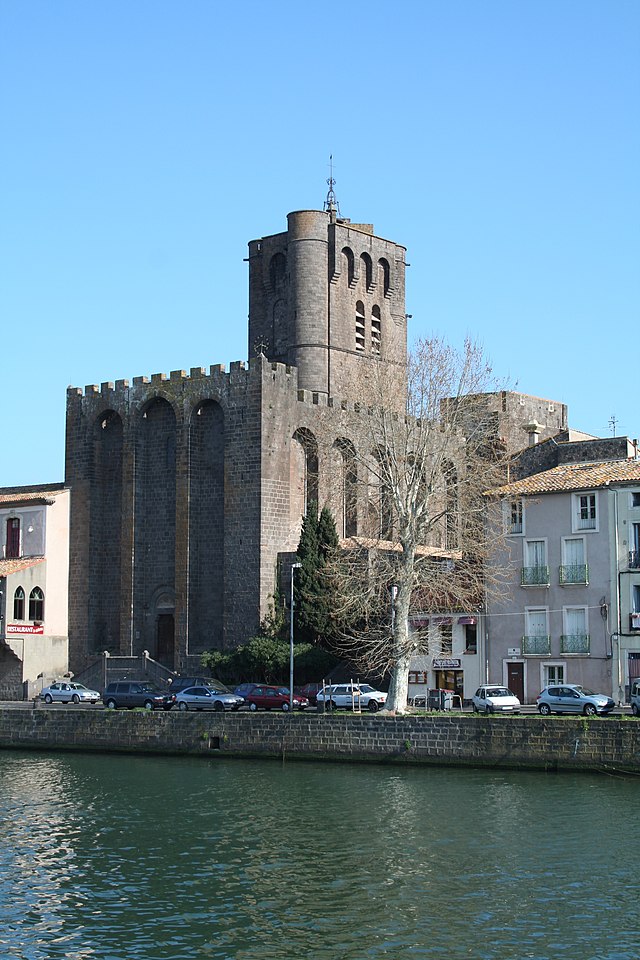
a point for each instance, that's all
(425, 474)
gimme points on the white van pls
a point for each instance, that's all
(634, 697)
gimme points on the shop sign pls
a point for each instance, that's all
(25, 628)
(447, 663)
(513, 651)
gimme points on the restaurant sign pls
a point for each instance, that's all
(25, 628)
(447, 663)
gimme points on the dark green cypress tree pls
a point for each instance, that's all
(312, 612)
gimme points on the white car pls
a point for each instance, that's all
(493, 698)
(66, 691)
(351, 695)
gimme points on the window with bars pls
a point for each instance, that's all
(360, 339)
(376, 331)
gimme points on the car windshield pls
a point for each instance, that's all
(584, 691)
(499, 692)
(365, 688)
(78, 686)
(148, 688)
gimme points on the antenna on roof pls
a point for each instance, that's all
(612, 424)
(331, 205)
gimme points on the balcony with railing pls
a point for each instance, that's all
(534, 576)
(574, 574)
(536, 646)
(575, 643)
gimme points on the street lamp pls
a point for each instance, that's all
(294, 566)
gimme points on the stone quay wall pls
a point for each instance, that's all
(463, 740)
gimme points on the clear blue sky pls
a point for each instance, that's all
(144, 142)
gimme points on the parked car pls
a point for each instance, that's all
(137, 693)
(181, 683)
(67, 691)
(348, 695)
(573, 698)
(493, 698)
(244, 689)
(207, 698)
(272, 697)
(310, 691)
(634, 698)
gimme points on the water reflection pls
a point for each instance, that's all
(127, 858)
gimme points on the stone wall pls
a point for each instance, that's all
(533, 742)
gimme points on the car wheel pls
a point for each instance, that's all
(75, 698)
(110, 704)
(218, 706)
(148, 704)
(183, 706)
(589, 710)
(372, 706)
(285, 707)
(333, 705)
(545, 709)
(48, 698)
(634, 710)
(475, 709)
(253, 706)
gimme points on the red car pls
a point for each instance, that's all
(274, 698)
(310, 691)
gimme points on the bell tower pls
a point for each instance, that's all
(328, 297)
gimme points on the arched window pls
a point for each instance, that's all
(12, 549)
(278, 271)
(304, 467)
(380, 501)
(36, 604)
(376, 331)
(351, 265)
(347, 479)
(18, 604)
(386, 275)
(360, 326)
(451, 504)
(367, 269)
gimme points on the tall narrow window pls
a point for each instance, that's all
(12, 550)
(376, 331)
(36, 604)
(360, 326)
(18, 604)
(586, 512)
(351, 266)
(386, 275)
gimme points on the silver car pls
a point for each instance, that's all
(66, 691)
(207, 698)
(573, 698)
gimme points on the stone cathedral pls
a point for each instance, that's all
(188, 489)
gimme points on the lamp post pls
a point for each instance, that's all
(294, 567)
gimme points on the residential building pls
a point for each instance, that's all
(565, 609)
(34, 570)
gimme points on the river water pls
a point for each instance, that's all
(136, 858)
